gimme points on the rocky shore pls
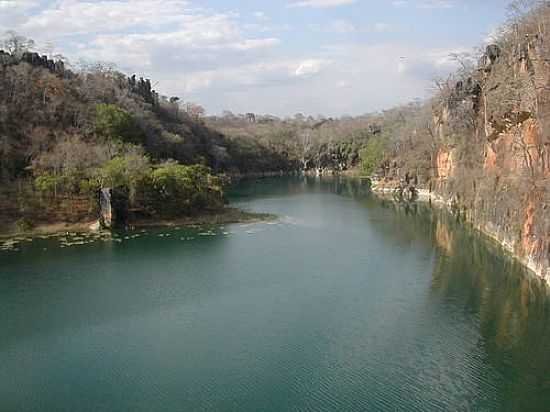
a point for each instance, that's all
(400, 191)
(227, 215)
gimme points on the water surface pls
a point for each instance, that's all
(346, 303)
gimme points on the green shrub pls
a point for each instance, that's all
(372, 155)
(88, 187)
(184, 189)
(115, 123)
(47, 183)
(130, 171)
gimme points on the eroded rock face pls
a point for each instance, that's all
(504, 192)
(113, 207)
(444, 163)
(495, 170)
(519, 151)
(105, 208)
(509, 197)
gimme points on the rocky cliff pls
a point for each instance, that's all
(489, 157)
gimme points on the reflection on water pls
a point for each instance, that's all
(347, 302)
(474, 275)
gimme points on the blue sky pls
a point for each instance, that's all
(330, 57)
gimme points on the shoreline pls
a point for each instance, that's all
(227, 215)
(425, 196)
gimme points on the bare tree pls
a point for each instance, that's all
(16, 44)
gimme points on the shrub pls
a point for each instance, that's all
(372, 155)
(115, 123)
(129, 171)
(47, 183)
(184, 189)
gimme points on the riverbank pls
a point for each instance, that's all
(227, 215)
(393, 191)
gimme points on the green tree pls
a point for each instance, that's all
(184, 189)
(131, 171)
(372, 155)
(47, 183)
(113, 122)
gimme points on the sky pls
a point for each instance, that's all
(329, 57)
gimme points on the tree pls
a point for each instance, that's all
(115, 123)
(174, 101)
(16, 44)
(130, 171)
(372, 156)
(180, 188)
(195, 111)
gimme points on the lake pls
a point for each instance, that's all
(346, 302)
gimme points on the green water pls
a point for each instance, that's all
(347, 303)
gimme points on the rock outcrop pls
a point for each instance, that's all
(113, 208)
(496, 172)
(105, 208)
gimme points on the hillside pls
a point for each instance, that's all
(64, 134)
(311, 145)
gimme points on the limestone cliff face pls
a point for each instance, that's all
(444, 167)
(507, 195)
(496, 172)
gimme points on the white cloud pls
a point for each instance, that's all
(15, 11)
(437, 4)
(344, 26)
(309, 68)
(335, 26)
(244, 77)
(201, 45)
(73, 17)
(13, 5)
(363, 78)
(429, 64)
(320, 3)
(152, 37)
(341, 26)
(260, 15)
(425, 4)
(399, 3)
(382, 27)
